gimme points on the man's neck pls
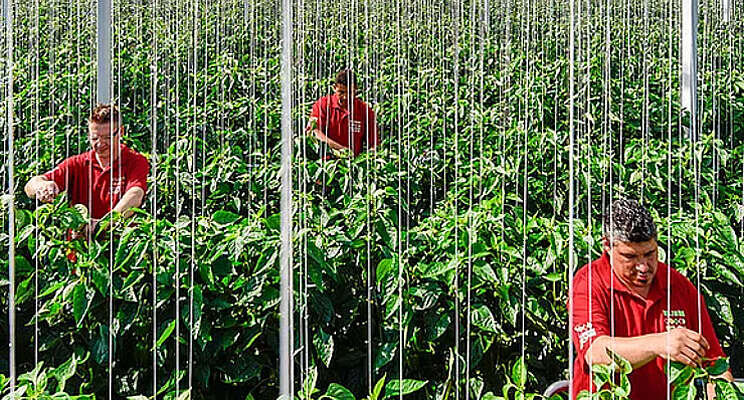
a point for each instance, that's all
(104, 160)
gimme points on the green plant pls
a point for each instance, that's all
(611, 380)
(683, 379)
(44, 383)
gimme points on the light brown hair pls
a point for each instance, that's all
(105, 113)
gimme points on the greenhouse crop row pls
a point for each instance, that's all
(435, 266)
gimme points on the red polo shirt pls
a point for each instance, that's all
(634, 316)
(87, 183)
(334, 122)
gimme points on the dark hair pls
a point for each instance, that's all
(630, 222)
(105, 113)
(346, 77)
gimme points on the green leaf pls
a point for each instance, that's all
(64, 372)
(680, 373)
(623, 365)
(684, 392)
(308, 386)
(338, 392)
(483, 318)
(519, 373)
(81, 300)
(377, 391)
(396, 387)
(166, 333)
(323, 343)
(725, 390)
(720, 366)
(223, 217)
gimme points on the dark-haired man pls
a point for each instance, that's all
(110, 176)
(626, 290)
(342, 120)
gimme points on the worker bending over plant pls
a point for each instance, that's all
(626, 290)
(342, 120)
(109, 175)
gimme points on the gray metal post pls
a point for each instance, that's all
(688, 80)
(726, 17)
(286, 387)
(103, 51)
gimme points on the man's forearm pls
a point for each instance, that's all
(132, 198)
(323, 138)
(639, 350)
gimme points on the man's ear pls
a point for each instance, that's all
(120, 131)
(606, 244)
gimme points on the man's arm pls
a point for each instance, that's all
(324, 138)
(132, 198)
(41, 187)
(679, 344)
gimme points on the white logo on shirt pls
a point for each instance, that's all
(586, 331)
(674, 319)
(356, 126)
(117, 184)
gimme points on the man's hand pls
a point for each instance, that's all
(312, 125)
(46, 191)
(683, 345)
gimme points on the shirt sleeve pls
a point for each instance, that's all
(372, 136)
(319, 113)
(709, 333)
(62, 173)
(138, 174)
(587, 325)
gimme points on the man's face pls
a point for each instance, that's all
(102, 138)
(344, 94)
(634, 263)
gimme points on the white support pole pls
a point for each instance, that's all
(688, 80)
(726, 17)
(8, 19)
(103, 51)
(286, 387)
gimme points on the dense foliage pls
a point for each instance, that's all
(460, 219)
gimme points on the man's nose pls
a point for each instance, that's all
(642, 267)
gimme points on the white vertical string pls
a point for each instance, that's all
(195, 116)
(455, 211)
(571, 261)
(398, 245)
(525, 128)
(36, 172)
(177, 198)
(154, 198)
(369, 204)
(9, 109)
(110, 94)
(672, 69)
(470, 228)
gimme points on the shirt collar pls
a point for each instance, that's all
(91, 156)
(335, 104)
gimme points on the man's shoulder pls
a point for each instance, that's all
(324, 100)
(676, 279)
(363, 105)
(133, 157)
(77, 159)
(598, 266)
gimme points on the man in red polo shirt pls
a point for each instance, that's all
(629, 288)
(110, 176)
(332, 122)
